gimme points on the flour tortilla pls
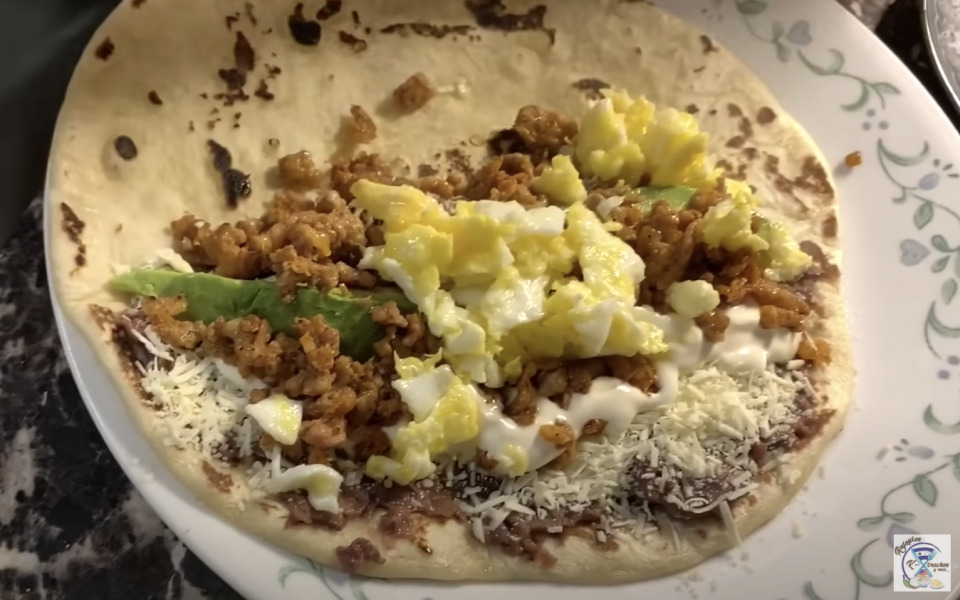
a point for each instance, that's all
(176, 47)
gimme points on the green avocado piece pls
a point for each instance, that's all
(211, 296)
(678, 198)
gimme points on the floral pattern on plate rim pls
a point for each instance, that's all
(869, 98)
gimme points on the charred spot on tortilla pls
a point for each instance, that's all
(812, 178)
(492, 14)
(426, 29)
(234, 78)
(736, 141)
(243, 55)
(356, 44)
(154, 98)
(219, 481)
(591, 87)
(126, 149)
(700, 69)
(414, 93)
(765, 116)
(329, 9)
(105, 49)
(190, 126)
(248, 10)
(236, 184)
(273, 143)
(304, 31)
(273, 71)
(356, 18)
(138, 3)
(425, 170)
(692, 109)
(360, 552)
(734, 111)
(231, 20)
(72, 225)
(263, 91)
(830, 227)
(707, 43)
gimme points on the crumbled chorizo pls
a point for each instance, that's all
(162, 312)
(414, 93)
(559, 434)
(361, 127)
(542, 129)
(297, 171)
(506, 178)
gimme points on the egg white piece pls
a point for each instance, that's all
(322, 484)
(279, 417)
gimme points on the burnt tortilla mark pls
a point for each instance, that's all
(220, 481)
(105, 49)
(356, 44)
(330, 9)
(154, 98)
(234, 78)
(263, 91)
(72, 225)
(248, 9)
(492, 14)
(138, 3)
(230, 21)
(427, 29)
(734, 111)
(591, 87)
(236, 184)
(707, 43)
(692, 109)
(356, 18)
(126, 149)
(243, 55)
(304, 32)
(765, 116)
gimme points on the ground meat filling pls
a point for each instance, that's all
(301, 240)
(361, 551)
(346, 403)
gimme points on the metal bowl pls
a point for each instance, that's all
(941, 23)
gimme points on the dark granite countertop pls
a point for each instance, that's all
(71, 524)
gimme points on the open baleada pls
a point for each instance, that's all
(554, 297)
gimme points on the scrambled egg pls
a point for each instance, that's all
(784, 260)
(321, 482)
(279, 417)
(625, 139)
(561, 182)
(491, 280)
(446, 413)
(729, 225)
(692, 298)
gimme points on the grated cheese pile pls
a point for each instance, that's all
(712, 425)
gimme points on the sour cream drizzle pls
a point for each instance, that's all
(746, 348)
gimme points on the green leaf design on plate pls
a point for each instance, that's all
(832, 68)
(940, 243)
(809, 593)
(778, 30)
(886, 89)
(870, 523)
(934, 322)
(948, 290)
(751, 7)
(877, 581)
(904, 161)
(902, 517)
(861, 101)
(926, 489)
(940, 264)
(956, 268)
(923, 215)
(955, 466)
(936, 425)
(783, 53)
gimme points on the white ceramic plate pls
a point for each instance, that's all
(896, 467)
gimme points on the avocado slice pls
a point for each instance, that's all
(677, 197)
(211, 296)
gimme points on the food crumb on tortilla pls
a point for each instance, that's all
(360, 125)
(414, 93)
